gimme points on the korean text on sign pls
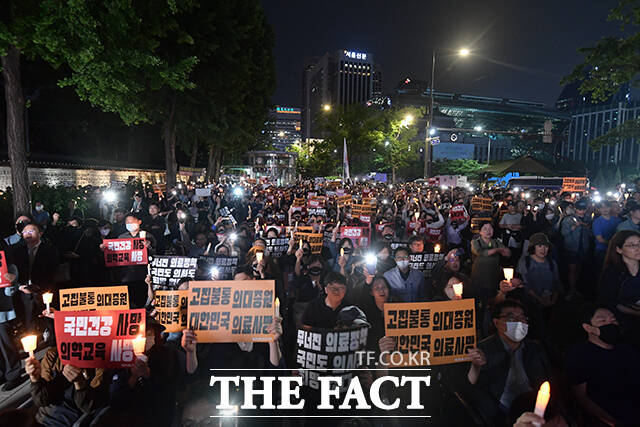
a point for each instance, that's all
(171, 307)
(446, 330)
(3, 271)
(167, 270)
(231, 311)
(99, 298)
(121, 252)
(98, 339)
(325, 351)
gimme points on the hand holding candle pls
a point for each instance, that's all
(544, 394)
(47, 297)
(508, 274)
(259, 256)
(277, 307)
(29, 344)
(143, 234)
(457, 290)
(138, 347)
(436, 249)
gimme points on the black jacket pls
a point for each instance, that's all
(45, 265)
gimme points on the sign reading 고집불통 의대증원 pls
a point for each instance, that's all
(123, 252)
(231, 311)
(171, 307)
(95, 298)
(445, 330)
(167, 270)
(98, 339)
(321, 352)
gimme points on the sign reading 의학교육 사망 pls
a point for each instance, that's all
(445, 330)
(98, 339)
(96, 298)
(231, 310)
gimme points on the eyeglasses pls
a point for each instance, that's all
(514, 318)
(337, 289)
(379, 289)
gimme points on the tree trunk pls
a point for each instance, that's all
(15, 131)
(393, 174)
(211, 164)
(218, 164)
(169, 137)
(194, 154)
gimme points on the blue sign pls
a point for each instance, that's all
(502, 182)
(453, 151)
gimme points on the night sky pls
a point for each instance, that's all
(538, 40)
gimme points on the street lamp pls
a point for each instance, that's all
(428, 147)
(326, 107)
(477, 128)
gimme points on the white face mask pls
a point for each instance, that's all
(549, 216)
(39, 207)
(105, 233)
(541, 206)
(516, 331)
(132, 228)
(403, 265)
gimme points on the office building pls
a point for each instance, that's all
(336, 79)
(590, 120)
(283, 127)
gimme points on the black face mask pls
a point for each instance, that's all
(359, 270)
(305, 251)
(610, 333)
(346, 251)
(315, 271)
(388, 236)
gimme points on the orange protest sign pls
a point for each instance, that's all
(315, 240)
(481, 204)
(99, 298)
(344, 200)
(172, 309)
(362, 209)
(574, 185)
(299, 202)
(231, 310)
(444, 330)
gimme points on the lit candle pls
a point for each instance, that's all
(417, 215)
(208, 249)
(277, 307)
(457, 290)
(341, 251)
(47, 297)
(138, 347)
(259, 256)
(29, 344)
(542, 400)
(508, 273)
(436, 249)
(300, 244)
(143, 234)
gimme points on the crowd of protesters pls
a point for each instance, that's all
(570, 314)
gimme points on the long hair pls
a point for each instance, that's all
(613, 258)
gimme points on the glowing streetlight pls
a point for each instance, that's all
(432, 131)
(326, 107)
(477, 128)
(386, 143)
(281, 134)
(464, 52)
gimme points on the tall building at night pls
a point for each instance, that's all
(336, 79)
(589, 121)
(283, 127)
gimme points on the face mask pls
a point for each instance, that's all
(610, 333)
(541, 206)
(358, 270)
(569, 212)
(39, 208)
(388, 236)
(403, 265)
(305, 251)
(516, 331)
(346, 251)
(315, 271)
(132, 228)
(549, 216)
(105, 233)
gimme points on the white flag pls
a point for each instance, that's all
(345, 162)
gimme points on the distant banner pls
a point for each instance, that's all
(574, 185)
(231, 311)
(363, 211)
(98, 339)
(203, 192)
(360, 236)
(425, 261)
(317, 211)
(481, 204)
(345, 200)
(98, 298)
(192, 172)
(171, 307)
(277, 247)
(122, 252)
(226, 266)
(330, 352)
(4, 282)
(445, 330)
(167, 270)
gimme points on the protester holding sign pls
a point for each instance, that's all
(323, 311)
(407, 284)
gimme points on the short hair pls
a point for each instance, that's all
(590, 310)
(104, 222)
(27, 214)
(401, 249)
(496, 311)
(119, 210)
(415, 239)
(156, 204)
(35, 224)
(335, 277)
(132, 214)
